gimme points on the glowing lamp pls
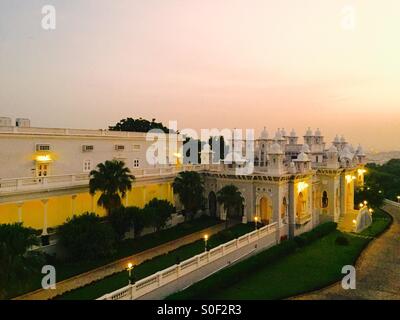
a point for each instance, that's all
(348, 178)
(361, 171)
(130, 265)
(354, 221)
(43, 158)
(302, 186)
(206, 237)
(361, 205)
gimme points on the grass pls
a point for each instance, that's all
(147, 268)
(308, 268)
(124, 249)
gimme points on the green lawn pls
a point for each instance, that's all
(308, 268)
(128, 247)
(118, 280)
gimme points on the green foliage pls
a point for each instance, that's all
(384, 177)
(231, 198)
(87, 237)
(137, 219)
(121, 221)
(342, 241)
(372, 195)
(17, 264)
(138, 125)
(159, 212)
(318, 232)
(111, 178)
(190, 188)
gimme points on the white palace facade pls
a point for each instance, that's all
(44, 176)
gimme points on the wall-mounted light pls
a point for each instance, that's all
(43, 158)
(349, 178)
(361, 171)
(302, 186)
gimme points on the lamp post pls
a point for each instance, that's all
(398, 199)
(205, 242)
(255, 222)
(130, 268)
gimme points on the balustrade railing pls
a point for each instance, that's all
(174, 272)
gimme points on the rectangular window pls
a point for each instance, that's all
(87, 148)
(119, 147)
(136, 147)
(136, 163)
(43, 147)
(87, 165)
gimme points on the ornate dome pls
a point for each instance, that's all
(283, 132)
(332, 149)
(302, 157)
(342, 139)
(264, 134)
(305, 148)
(309, 132)
(278, 135)
(293, 133)
(318, 133)
(337, 139)
(360, 151)
(275, 149)
(346, 153)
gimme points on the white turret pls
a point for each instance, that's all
(309, 137)
(293, 137)
(275, 162)
(333, 157)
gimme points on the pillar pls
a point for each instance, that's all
(45, 203)
(291, 209)
(19, 206)
(73, 209)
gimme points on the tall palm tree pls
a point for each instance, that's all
(190, 188)
(231, 198)
(111, 178)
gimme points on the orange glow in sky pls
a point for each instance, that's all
(209, 63)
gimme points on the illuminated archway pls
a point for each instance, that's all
(265, 210)
(301, 205)
(284, 208)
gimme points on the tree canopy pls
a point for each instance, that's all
(189, 186)
(138, 125)
(111, 178)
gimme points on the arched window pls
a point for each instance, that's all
(284, 208)
(324, 202)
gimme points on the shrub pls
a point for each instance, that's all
(121, 222)
(160, 212)
(138, 219)
(17, 264)
(316, 233)
(87, 237)
(342, 241)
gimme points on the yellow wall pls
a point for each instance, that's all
(60, 208)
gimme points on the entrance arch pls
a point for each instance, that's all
(284, 209)
(265, 210)
(212, 204)
(301, 204)
(324, 200)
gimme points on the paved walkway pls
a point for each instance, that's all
(378, 269)
(117, 266)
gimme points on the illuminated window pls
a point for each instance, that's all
(87, 165)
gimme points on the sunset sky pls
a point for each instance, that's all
(206, 63)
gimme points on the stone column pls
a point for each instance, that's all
(19, 206)
(291, 209)
(45, 203)
(73, 209)
(343, 194)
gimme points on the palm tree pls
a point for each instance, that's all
(190, 189)
(232, 199)
(112, 178)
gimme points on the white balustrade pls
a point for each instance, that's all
(174, 272)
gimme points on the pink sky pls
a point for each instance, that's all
(209, 63)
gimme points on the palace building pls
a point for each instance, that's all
(44, 176)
